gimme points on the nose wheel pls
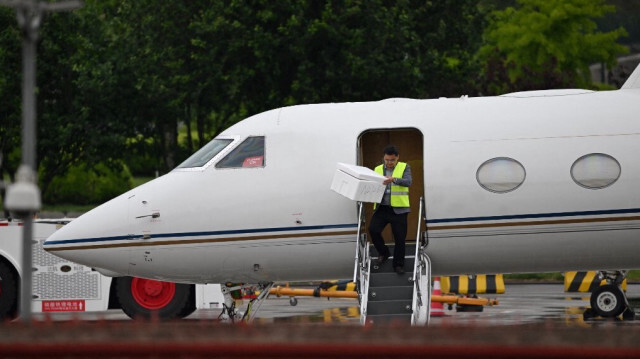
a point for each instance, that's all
(609, 300)
(146, 298)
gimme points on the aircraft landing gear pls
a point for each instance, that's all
(609, 300)
(231, 292)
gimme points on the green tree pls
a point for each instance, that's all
(135, 61)
(72, 125)
(10, 91)
(117, 78)
(261, 55)
(546, 44)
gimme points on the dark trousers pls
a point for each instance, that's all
(381, 217)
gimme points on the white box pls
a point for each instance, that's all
(357, 189)
(360, 172)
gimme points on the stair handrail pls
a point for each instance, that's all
(365, 272)
(421, 303)
(422, 292)
(358, 242)
(418, 242)
(361, 270)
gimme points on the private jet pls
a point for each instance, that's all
(537, 181)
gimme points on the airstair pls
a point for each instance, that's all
(386, 296)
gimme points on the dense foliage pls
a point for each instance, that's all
(119, 81)
(543, 44)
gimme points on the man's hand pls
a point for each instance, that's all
(387, 180)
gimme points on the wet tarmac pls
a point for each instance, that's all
(520, 304)
(537, 304)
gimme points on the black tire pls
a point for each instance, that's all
(167, 304)
(190, 307)
(608, 301)
(8, 292)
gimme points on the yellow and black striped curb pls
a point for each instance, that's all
(584, 282)
(473, 284)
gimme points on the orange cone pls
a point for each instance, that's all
(437, 309)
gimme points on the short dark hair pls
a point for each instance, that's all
(390, 150)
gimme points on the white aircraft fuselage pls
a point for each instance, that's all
(279, 221)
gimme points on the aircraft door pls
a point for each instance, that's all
(409, 142)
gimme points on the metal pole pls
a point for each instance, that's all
(29, 18)
(27, 270)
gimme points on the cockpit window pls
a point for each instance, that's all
(250, 153)
(206, 153)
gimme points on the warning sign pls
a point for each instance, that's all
(63, 305)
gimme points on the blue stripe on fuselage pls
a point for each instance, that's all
(206, 233)
(535, 215)
(345, 226)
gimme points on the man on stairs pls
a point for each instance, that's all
(393, 209)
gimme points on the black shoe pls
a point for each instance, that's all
(381, 260)
(399, 269)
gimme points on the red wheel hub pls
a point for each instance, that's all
(152, 294)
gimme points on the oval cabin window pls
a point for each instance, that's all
(595, 171)
(500, 175)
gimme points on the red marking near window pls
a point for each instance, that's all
(255, 161)
(63, 305)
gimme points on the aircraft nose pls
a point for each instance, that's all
(89, 231)
(64, 237)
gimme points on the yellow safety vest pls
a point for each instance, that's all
(399, 194)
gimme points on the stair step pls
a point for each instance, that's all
(390, 280)
(402, 306)
(390, 295)
(387, 267)
(410, 249)
(378, 294)
(389, 318)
